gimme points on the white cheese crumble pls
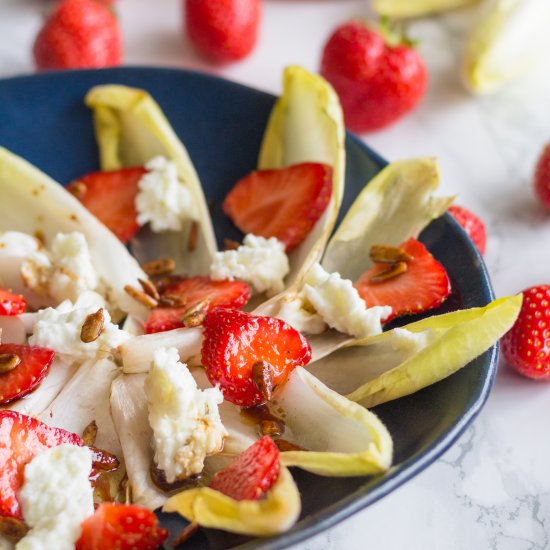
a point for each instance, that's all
(259, 261)
(338, 304)
(163, 199)
(63, 272)
(185, 420)
(59, 329)
(56, 497)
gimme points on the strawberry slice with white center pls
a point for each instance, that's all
(284, 203)
(21, 439)
(252, 473)
(110, 196)
(22, 368)
(424, 285)
(188, 292)
(250, 356)
(11, 303)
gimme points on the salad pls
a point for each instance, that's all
(153, 370)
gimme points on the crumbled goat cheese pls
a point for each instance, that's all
(258, 261)
(59, 329)
(56, 497)
(63, 272)
(293, 313)
(185, 420)
(339, 304)
(163, 199)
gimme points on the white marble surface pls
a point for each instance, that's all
(491, 489)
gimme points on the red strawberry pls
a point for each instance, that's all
(21, 438)
(190, 291)
(121, 527)
(526, 346)
(423, 286)
(78, 34)
(472, 224)
(284, 203)
(32, 364)
(223, 30)
(10, 303)
(111, 196)
(237, 344)
(252, 473)
(377, 79)
(542, 177)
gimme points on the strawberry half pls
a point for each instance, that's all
(31, 369)
(284, 203)
(472, 224)
(21, 439)
(252, 473)
(526, 346)
(190, 291)
(10, 303)
(425, 284)
(121, 527)
(249, 356)
(110, 196)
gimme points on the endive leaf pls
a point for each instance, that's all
(85, 398)
(396, 205)
(137, 352)
(306, 124)
(404, 360)
(275, 513)
(417, 8)
(131, 129)
(341, 437)
(508, 37)
(131, 419)
(33, 203)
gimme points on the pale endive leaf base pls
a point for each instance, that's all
(278, 511)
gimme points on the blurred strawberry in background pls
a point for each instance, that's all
(79, 34)
(223, 30)
(376, 72)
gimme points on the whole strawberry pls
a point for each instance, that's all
(542, 177)
(378, 81)
(223, 30)
(78, 34)
(472, 224)
(526, 346)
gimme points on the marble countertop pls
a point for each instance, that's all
(492, 488)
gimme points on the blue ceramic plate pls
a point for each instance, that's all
(43, 119)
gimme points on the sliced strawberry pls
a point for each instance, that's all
(284, 203)
(110, 196)
(21, 439)
(10, 303)
(190, 291)
(236, 348)
(423, 286)
(252, 473)
(32, 364)
(121, 527)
